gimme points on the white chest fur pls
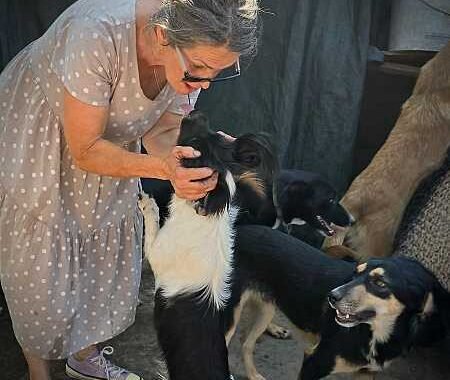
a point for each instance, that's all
(193, 253)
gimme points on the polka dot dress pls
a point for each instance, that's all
(70, 241)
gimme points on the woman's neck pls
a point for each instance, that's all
(150, 64)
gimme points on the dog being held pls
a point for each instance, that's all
(355, 318)
(191, 255)
(416, 147)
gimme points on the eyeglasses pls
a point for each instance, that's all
(223, 75)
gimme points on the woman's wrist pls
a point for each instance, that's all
(156, 167)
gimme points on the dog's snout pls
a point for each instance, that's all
(140, 197)
(334, 297)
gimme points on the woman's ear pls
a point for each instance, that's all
(161, 36)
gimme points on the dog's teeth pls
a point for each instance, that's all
(347, 316)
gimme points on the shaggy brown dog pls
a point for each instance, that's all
(416, 147)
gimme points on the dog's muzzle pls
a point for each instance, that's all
(326, 227)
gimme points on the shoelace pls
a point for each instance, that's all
(112, 371)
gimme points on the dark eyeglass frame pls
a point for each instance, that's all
(192, 78)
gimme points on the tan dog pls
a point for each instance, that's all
(414, 149)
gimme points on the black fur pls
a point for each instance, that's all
(191, 336)
(293, 274)
(298, 194)
(299, 278)
(250, 152)
(307, 195)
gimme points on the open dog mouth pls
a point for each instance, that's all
(326, 227)
(200, 205)
(346, 319)
(350, 320)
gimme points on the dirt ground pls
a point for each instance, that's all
(136, 349)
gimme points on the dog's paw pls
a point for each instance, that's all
(148, 207)
(278, 331)
(256, 376)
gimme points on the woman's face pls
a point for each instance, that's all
(204, 61)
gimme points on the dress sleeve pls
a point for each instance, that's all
(85, 61)
(182, 104)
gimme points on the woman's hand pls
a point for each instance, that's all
(189, 183)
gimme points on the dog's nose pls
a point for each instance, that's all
(140, 196)
(334, 297)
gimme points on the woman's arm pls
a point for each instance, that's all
(161, 139)
(83, 128)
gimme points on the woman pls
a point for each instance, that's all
(74, 105)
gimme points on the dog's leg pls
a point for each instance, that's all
(310, 340)
(150, 211)
(277, 331)
(264, 313)
(340, 252)
(318, 365)
(364, 376)
(236, 317)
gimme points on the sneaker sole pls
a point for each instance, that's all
(77, 375)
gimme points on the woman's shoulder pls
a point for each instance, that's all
(104, 13)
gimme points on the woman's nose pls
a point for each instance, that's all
(204, 85)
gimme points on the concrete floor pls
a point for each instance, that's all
(136, 349)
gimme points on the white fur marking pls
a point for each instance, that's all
(297, 221)
(194, 253)
(276, 224)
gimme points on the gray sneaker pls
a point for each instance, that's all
(96, 367)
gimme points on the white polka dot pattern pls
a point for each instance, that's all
(70, 241)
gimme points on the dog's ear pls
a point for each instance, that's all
(256, 151)
(428, 305)
(426, 326)
(246, 152)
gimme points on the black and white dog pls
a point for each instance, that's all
(354, 317)
(192, 254)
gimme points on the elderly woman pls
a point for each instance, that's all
(74, 105)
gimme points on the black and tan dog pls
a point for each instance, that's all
(354, 317)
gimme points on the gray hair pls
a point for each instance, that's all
(233, 23)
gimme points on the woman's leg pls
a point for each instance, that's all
(38, 368)
(84, 353)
